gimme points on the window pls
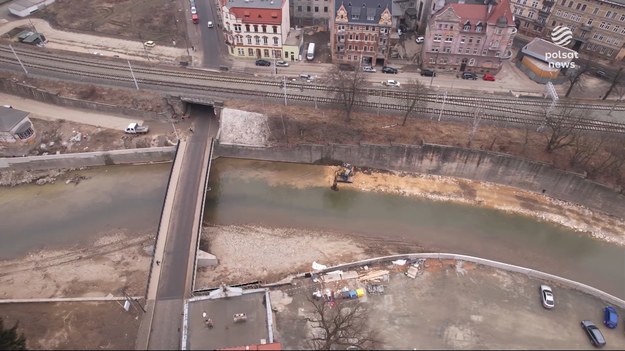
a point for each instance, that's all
(608, 14)
(437, 38)
(602, 25)
(474, 51)
(529, 14)
(316, 8)
(299, 9)
(477, 41)
(275, 40)
(256, 28)
(257, 40)
(584, 7)
(237, 28)
(355, 16)
(578, 7)
(484, 52)
(275, 29)
(563, 2)
(462, 39)
(460, 50)
(447, 50)
(589, 23)
(467, 51)
(25, 134)
(265, 40)
(478, 28)
(325, 9)
(249, 40)
(570, 4)
(594, 12)
(497, 31)
(250, 52)
(622, 18)
(609, 52)
(349, 47)
(466, 27)
(278, 53)
(239, 39)
(241, 52)
(307, 8)
(264, 28)
(449, 38)
(534, 4)
(472, 62)
(266, 52)
(247, 28)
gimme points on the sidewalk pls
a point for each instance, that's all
(50, 112)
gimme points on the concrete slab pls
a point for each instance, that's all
(204, 259)
(225, 332)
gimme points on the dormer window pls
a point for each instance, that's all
(467, 26)
(479, 27)
(355, 16)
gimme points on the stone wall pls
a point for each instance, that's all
(30, 92)
(450, 161)
(89, 159)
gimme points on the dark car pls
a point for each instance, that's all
(263, 63)
(469, 75)
(428, 73)
(387, 69)
(610, 317)
(594, 334)
(347, 67)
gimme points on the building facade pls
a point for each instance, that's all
(469, 37)
(532, 15)
(255, 28)
(311, 12)
(598, 26)
(15, 126)
(360, 31)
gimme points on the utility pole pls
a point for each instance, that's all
(133, 75)
(284, 85)
(442, 106)
(18, 59)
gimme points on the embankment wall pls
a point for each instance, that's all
(450, 161)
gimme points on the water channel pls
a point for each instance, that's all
(130, 197)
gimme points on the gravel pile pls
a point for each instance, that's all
(244, 128)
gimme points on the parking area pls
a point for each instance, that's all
(452, 305)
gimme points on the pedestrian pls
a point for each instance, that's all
(191, 129)
(192, 47)
(158, 263)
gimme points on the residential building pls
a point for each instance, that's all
(360, 31)
(598, 26)
(293, 45)
(311, 12)
(532, 15)
(255, 28)
(15, 126)
(473, 37)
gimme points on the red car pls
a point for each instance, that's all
(488, 76)
(194, 18)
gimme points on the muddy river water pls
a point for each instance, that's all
(130, 197)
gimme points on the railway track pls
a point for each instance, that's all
(528, 118)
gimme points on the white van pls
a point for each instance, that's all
(310, 54)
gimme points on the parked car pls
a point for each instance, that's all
(346, 67)
(594, 334)
(546, 294)
(610, 317)
(282, 64)
(390, 70)
(193, 10)
(469, 75)
(210, 24)
(428, 73)
(149, 44)
(263, 63)
(420, 40)
(194, 18)
(489, 77)
(368, 69)
(306, 76)
(391, 83)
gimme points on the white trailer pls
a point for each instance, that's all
(310, 54)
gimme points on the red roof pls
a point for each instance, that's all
(274, 346)
(258, 16)
(501, 10)
(470, 12)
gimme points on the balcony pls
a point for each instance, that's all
(506, 55)
(586, 28)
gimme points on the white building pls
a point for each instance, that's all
(23, 8)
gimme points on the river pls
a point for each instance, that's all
(130, 198)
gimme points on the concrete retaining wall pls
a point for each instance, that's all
(89, 159)
(30, 92)
(499, 265)
(450, 161)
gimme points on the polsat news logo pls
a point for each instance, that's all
(561, 35)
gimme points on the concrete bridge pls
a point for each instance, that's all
(174, 262)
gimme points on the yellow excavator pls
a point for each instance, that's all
(343, 174)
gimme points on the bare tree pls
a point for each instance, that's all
(615, 81)
(349, 86)
(574, 75)
(585, 147)
(478, 111)
(561, 126)
(416, 100)
(341, 325)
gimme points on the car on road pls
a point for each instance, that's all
(263, 63)
(546, 295)
(346, 67)
(489, 77)
(610, 317)
(419, 40)
(368, 69)
(391, 83)
(194, 18)
(149, 44)
(594, 334)
(193, 10)
(428, 73)
(390, 70)
(282, 64)
(210, 24)
(469, 75)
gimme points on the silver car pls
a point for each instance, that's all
(546, 295)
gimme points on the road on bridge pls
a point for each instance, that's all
(177, 259)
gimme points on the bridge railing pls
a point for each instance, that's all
(158, 229)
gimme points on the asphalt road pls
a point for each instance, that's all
(211, 42)
(175, 280)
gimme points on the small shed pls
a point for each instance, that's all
(23, 8)
(15, 125)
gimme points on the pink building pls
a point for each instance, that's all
(469, 37)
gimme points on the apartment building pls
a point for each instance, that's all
(532, 15)
(360, 31)
(311, 12)
(598, 26)
(255, 28)
(472, 37)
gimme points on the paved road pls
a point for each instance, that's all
(176, 267)
(211, 41)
